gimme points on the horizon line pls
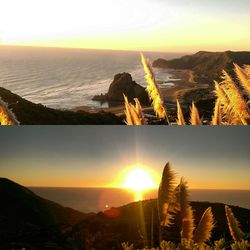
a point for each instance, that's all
(118, 50)
(142, 190)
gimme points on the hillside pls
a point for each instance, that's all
(125, 224)
(27, 220)
(29, 113)
(26, 217)
(206, 66)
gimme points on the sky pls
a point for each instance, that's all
(149, 25)
(98, 156)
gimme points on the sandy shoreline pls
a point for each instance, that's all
(184, 83)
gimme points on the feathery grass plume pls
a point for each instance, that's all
(139, 111)
(126, 246)
(239, 105)
(134, 114)
(222, 98)
(217, 116)
(166, 197)
(180, 117)
(186, 212)
(204, 229)
(153, 90)
(247, 69)
(6, 115)
(240, 245)
(234, 225)
(243, 78)
(194, 116)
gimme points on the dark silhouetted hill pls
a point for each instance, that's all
(29, 113)
(207, 66)
(124, 224)
(27, 220)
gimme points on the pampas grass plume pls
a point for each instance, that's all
(194, 116)
(6, 115)
(204, 229)
(233, 225)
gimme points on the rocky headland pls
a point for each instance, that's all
(123, 84)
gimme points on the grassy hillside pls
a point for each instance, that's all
(207, 66)
(29, 113)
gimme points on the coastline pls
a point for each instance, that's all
(183, 81)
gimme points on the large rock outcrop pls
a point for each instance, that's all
(124, 84)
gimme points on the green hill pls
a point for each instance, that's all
(207, 66)
(29, 113)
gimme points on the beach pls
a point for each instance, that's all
(177, 84)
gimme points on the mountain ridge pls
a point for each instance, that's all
(207, 66)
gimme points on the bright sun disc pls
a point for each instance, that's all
(138, 179)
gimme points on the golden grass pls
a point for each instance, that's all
(186, 212)
(6, 115)
(191, 238)
(217, 116)
(204, 229)
(180, 118)
(243, 77)
(134, 114)
(231, 107)
(194, 116)
(153, 90)
(233, 225)
(166, 197)
(239, 111)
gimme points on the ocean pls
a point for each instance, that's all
(68, 78)
(100, 199)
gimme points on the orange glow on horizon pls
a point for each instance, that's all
(146, 26)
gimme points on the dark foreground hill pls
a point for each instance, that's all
(27, 220)
(29, 113)
(31, 220)
(206, 66)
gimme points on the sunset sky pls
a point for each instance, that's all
(156, 25)
(100, 156)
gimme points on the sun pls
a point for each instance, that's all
(138, 179)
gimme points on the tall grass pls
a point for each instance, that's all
(134, 114)
(231, 106)
(194, 116)
(186, 212)
(153, 90)
(234, 225)
(174, 202)
(180, 118)
(6, 115)
(205, 227)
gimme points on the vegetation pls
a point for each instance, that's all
(206, 66)
(28, 113)
(31, 222)
(173, 202)
(231, 106)
(6, 115)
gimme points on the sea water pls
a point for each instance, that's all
(68, 78)
(99, 199)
